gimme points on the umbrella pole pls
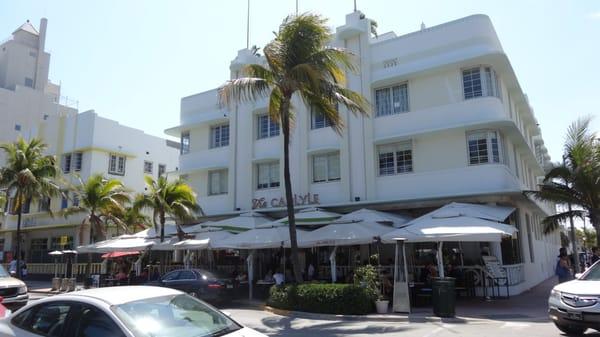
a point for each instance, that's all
(440, 259)
(332, 262)
(250, 262)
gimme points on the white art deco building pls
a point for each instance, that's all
(449, 122)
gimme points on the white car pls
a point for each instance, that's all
(574, 306)
(132, 311)
(12, 290)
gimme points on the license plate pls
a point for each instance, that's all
(230, 286)
(575, 316)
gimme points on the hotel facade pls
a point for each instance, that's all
(83, 143)
(449, 122)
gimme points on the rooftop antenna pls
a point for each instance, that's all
(355, 5)
(296, 7)
(248, 27)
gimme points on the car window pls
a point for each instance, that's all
(171, 276)
(47, 319)
(19, 320)
(95, 323)
(186, 275)
(593, 274)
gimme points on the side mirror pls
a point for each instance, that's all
(578, 276)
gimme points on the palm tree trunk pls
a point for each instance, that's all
(162, 226)
(289, 199)
(18, 246)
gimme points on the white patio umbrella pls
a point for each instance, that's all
(344, 234)
(192, 244)
(240, 223)
(113, 245)
(274, 235)
(369, 215)
(453, 224)
(170, 229)
(167, 245)
(313, 217)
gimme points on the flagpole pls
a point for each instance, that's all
(355, 5)
(248, 27)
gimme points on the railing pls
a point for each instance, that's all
(515, 273)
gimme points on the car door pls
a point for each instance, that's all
(93, 322)
(50, 319)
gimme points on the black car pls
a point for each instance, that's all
(199, 283)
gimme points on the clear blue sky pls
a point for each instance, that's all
(132, 61)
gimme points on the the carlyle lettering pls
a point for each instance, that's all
(299, 200)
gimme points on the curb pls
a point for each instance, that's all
(398, 318)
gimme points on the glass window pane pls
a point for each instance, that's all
(382, 102)
(400, 98)
(386, 163)
(333, 166)
(319, 168)
(274, 168)
(472, 83)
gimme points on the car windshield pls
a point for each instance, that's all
(174, 316)
(593, 274)
(3, 272)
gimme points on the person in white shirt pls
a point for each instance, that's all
(12, 267)
(279, 278)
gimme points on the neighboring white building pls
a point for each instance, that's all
(84, 144)
(449, 122)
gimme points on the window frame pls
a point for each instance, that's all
(400, 146)
(273, 128)
(404, 105)
(66, 162)
(162, 169)
(272, 183)
(77, 162)
(327, 157)
(185, 142)
(221, 173)
(120, 164)
(216, 135)
(489, 147)
(150, 165)
(490, 86)
(326, 122)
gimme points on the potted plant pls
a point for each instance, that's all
(381, 304)
(368, 278)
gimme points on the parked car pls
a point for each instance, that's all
(12, 290)
(199, 283)
(574, 306)
(127, 311)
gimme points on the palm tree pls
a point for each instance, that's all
(29, 174)
(175, 199)
(130, 219)
(576, 181)
(100, 199)
(299, 62)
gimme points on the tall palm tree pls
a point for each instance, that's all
(576, 181)
(299, 62)
(29, 174)
(130, 219)
(175, 199)
(99, 198)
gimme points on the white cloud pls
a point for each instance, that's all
(595, 15)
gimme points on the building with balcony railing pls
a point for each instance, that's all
(449, 122)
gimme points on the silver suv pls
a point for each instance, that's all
(574, 306)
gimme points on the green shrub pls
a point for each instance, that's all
(346, 299)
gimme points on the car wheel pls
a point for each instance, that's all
(570, 329)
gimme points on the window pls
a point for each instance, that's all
(17, 127)
(56, 243)
(44, 204)
(162, 169)
(94, 323)
(78, 161)
(318, 120)
(219, 136)
(186, 275)
(172, 275)
(116, 164)
(395, 158)
(391, 100)
(64, 200)
(26, 206)
(480, 81)
(32, 54)
(268, 175)
(148, 167)
(75, 200)
(46, 319)
(217, 182)
(185, 142)
(267, 127)
(28, 82)
(483, 147)
(326, 167)
(66, 163)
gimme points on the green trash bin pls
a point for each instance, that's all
(443, 297)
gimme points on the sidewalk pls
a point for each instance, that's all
(44, 287)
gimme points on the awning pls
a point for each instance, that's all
(369, 215)
(274, 236)
(344, 234)
(456, 222)
(240, 223)
(114, 255)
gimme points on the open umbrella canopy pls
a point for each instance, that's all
(274, 235)
(369, 215)
(456, 224)
(313, 217)
(344, 234)
(192, 244)
(166, 245)
(114, 255)
(55, 253)
(107, 246)
(170, 229)
(240, 223)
